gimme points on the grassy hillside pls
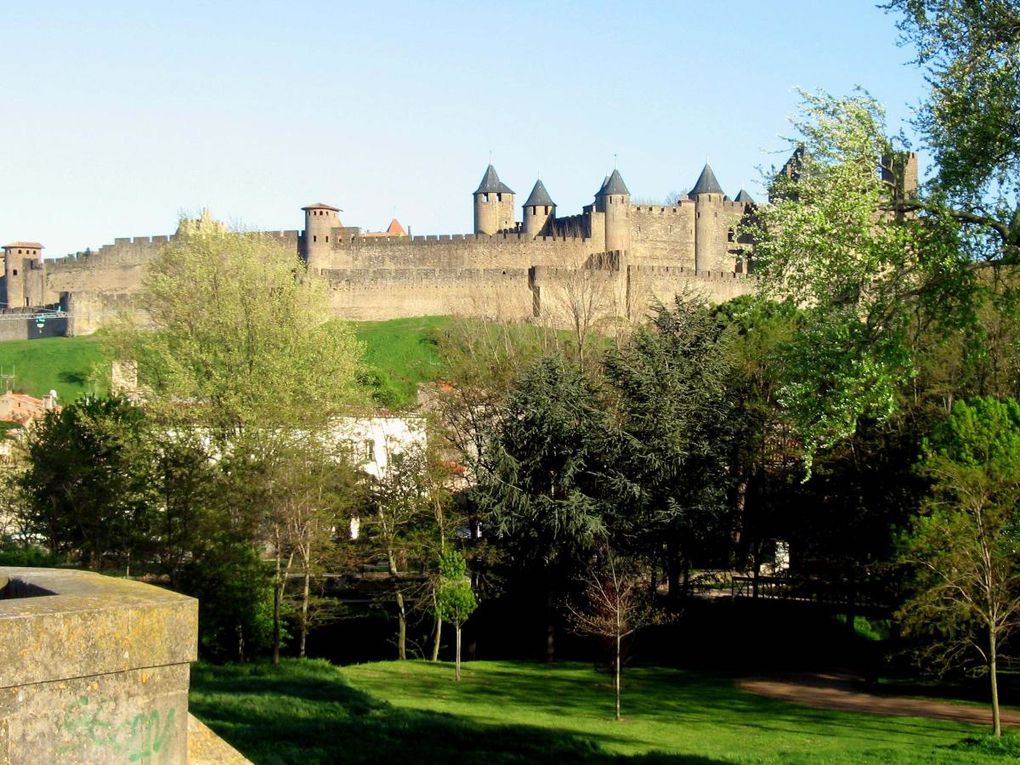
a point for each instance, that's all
(68, 365)
(399, 354)
(515, 712)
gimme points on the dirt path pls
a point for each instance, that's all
(842, 692)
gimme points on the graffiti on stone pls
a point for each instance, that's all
(140, 739)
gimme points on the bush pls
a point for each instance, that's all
(235, 602)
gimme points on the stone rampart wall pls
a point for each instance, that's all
(376, 294)
(510, 250)
(661, 234)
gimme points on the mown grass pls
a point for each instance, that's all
(399, 354)
(512, 712)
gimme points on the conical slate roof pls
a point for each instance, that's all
(615, 184)
(602, 188)
(539, 196)
(743, 196)
(707, 184)
(491, 184)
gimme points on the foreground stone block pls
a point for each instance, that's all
(93, 669)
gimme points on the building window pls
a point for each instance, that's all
(315, 238)
(369, 453)
(499, 197)
(15, 272)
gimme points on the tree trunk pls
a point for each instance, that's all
(672, 566)
(456, 671)
(740, 506)
(391, 561)
(616, 678)
(438, 638)
(305, 596)
(277, 598)
(550, 630)
(401, 627)
(993, 677)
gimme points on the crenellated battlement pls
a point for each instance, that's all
(637, 251)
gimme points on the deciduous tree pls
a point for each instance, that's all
(455, 600)
(966, 594)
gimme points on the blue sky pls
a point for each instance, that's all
(121, 116)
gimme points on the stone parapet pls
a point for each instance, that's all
(93, 669)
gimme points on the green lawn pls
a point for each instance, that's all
(399, 354)
(512, 712)
(63, 364)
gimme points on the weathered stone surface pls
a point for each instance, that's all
(96, 672)
(206, 748)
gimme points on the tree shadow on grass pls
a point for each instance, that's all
(311, 716)
(73, 377)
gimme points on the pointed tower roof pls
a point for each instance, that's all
(743, 196)
(615, 184)
(602, 188)
(707, 183)
(539, 196)
(395, 229)
(491, 184)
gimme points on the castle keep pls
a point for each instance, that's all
(620, 255)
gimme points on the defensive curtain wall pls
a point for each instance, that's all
(516, 269)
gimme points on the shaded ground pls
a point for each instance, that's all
(845, 693)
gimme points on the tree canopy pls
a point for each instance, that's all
(239, 335)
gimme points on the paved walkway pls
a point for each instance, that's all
(843, 692)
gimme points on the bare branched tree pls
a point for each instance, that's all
(616, 603)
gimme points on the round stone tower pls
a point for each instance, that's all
(18, 258)
(538, 210)
(494, 204)
(709, 236)
(615, 200)
(319, 237)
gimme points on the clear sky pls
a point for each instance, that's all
(122, 115)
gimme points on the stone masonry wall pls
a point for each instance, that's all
(663, 235)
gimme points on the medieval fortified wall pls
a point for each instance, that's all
(624, 255)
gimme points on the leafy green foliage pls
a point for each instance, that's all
(235, 599)
(829, 243)
(971, 118)
(671, 434)
(240, 334)
(966, 594)
(455, 600)
(542, 494)
(86, 485)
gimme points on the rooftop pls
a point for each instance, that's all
(707, 183)
(491, 184)
(539, 196)
(27, 245)
(615, 185)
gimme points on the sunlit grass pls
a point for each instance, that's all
(509, 712)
